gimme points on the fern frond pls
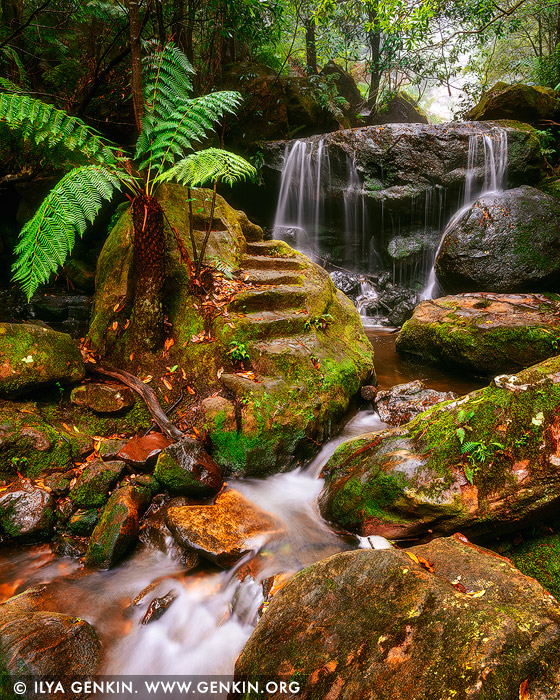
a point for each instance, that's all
(7, 86)
(209, 165)
(48, 238)
(165, 85)
(190, 122)
(43, 123)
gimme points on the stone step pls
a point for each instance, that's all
(260, 325)
(266, 248)
(284, 356)
(271, 277)
(269, 299)
(261, 262)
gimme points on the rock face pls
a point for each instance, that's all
(32, 357)
(505, 242)
(225, 532)
(186, 469)
(485, 334)
(483, 464)
(26, 511)
(403, 402)
(39, 643)
(532, 104)
(377, 624)
(308, 354)
(117, 531)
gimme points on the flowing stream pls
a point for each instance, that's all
(215, 611)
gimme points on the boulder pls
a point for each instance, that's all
(32, 446)
(155, 534)
(117, 531)
(26, 511)
(32, 357)
(83, 522)
(224, 532)
(539, 556)
(505, 242)
(92, 487)
(65, 545)
(308, 354)
(186, 469)
(485, 334)
(440, 621)
(403, 402)
(400, 109)
(484, 464)
(38, 643)
(345, 86)
(532, 104)
(103, 398)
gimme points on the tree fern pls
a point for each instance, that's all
(47, 240)
(43, 123)
(208, 166)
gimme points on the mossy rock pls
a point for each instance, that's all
(505, 242)
(83, 522)
(304, 339)
(26, 511)
(485, 334)
(32, 357)
(92, 487)
(484, 464)
(539, 557)
(526, 103)
(440, 621)
(185, 469)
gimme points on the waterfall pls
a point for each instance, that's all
(301, 201)
(495, 165)
(305, 206)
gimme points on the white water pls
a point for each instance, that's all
(214, 613)
(495, 165)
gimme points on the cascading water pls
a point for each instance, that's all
(495, 166)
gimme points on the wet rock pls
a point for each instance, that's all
(141, 452)
(103, 398)
(26, 511)
(39, 643)
(67, 546)
(539, 557)
(486, 464)
(186, 469)
(345, 86)
(531, 104)
(368, 392)
(346, 282)
(59, 484)
(158, 607)
(485, 334)
(109, 449)
(436, 621)
(92, 487)
(83, 522)
(403, 402)
(492, 246)
(155, 534)
(32, 357)
(224, 532)
(117, 531)
(63, 510)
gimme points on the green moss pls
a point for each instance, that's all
(540, 559)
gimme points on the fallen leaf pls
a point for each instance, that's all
(524, 690)
(167, 385)
(220, 372)
(476, 594)
(168, 343)
(147, 379)
(131, 356)
(184, 373)
(190, 390)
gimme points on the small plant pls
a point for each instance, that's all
(478, 453)
(319, 322)
(223, 267)
(238, 352)
(19, 462)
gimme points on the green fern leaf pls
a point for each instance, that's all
(48, 238)
(209, 165)
(43, 123)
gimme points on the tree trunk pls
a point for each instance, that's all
(310, 47)
(160, 22)
(374, 40)
(149, 272)
(136, 54)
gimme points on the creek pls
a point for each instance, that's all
(215, 611)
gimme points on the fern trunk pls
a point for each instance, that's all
(149, 272)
